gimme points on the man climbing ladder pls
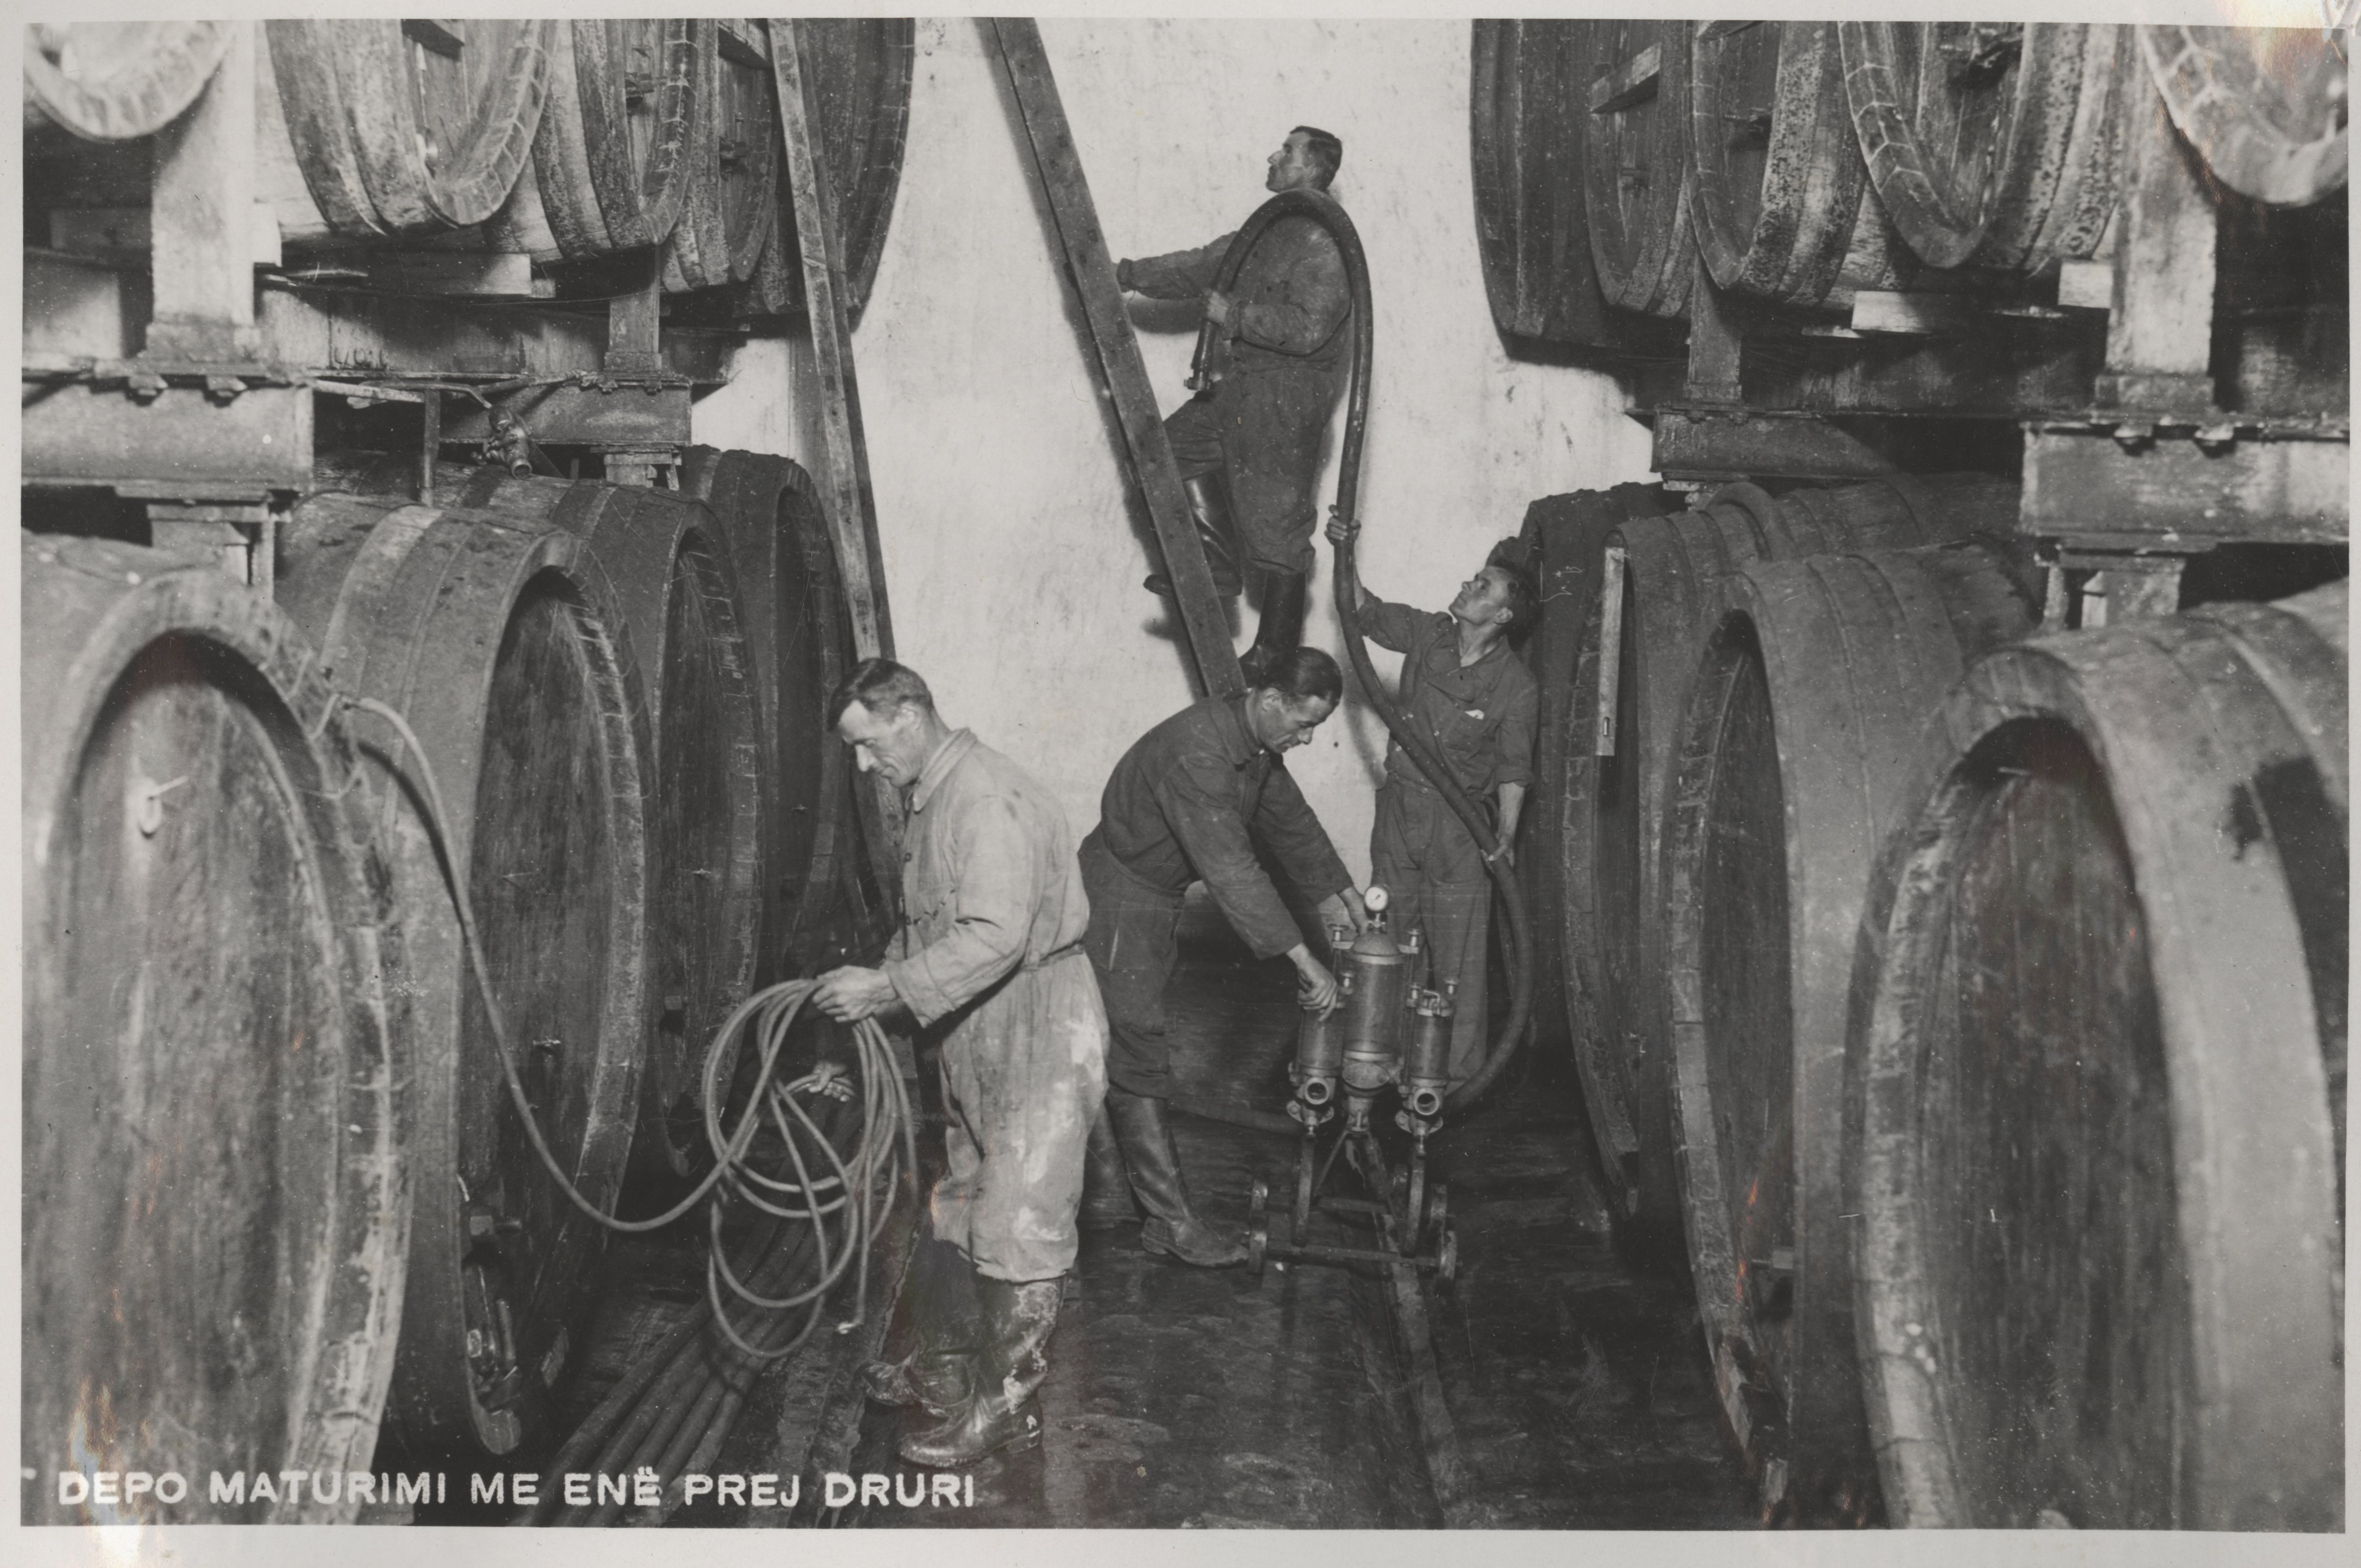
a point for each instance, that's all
(1248, 444)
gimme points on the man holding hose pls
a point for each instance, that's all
(1249, 444)
(1473, 700)
(989, 963)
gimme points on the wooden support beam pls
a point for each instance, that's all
(245, 538)
(1716, 331)
(458, 274)
(2160, 335)
(1610, 652)
(1075, 217)
(626, 419)
(1913, 315)
(360, 333)
(634, 323)
(2136, 587)
(1732, 443)
(202, 218)
(2171, 493)
(174, 444)
(1631, 83)
(847, 502)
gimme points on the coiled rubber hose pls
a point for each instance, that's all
(1325, 210)
(682, 1399)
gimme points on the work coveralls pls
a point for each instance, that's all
(1177, 808)
(1289, 356)
(1481, 718)
(990, 959)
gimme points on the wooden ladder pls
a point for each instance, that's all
(1075, 218)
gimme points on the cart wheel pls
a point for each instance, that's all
(1258, 1243)
(1446, 1257)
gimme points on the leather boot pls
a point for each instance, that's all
(1217, 531)
(1106, 1187)
(1280, 631)
(939, 1369)
(1155, 1166)
(1003, 1411)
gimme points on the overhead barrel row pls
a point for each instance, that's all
(1802, 162)
(564, 141)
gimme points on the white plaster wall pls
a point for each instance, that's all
(1014, 570)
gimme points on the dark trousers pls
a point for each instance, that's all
(1419, 854)
(1134, 945)
(1265, 428)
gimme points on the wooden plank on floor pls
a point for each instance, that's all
(819, 1421)
(1438, 1434)
(1075, 216)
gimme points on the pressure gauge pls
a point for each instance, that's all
(1376, 899)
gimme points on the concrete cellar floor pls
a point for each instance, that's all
(1577, 1388)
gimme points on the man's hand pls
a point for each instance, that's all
(1122, 275)
(1506, 854)
(1217, 307)
(1342, 530)
(1343, 909)
(850, 994)
(1316, 987)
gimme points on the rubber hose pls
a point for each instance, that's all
(1326, 211)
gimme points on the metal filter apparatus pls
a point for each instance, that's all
(1384, 1032)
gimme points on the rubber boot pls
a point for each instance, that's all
(1003, 1411)
(1217, 531)
(1155, 1165)
(1106, 1187)
(1280, 631)
(939, 1370)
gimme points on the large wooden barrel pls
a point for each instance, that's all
(821, 897)
(678, 595)
(108, 81)
(735, 156)
(863, 67)
(1566, 534)
(500, 640)
(1614, 805)
(611, 159)
(1529, 121)
(215, 1213)
(406, 127)
(1801, 730)
(2265, 106)
(1777, 182)
(1991, 143)
(2097, 1045)
(1635, 163)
